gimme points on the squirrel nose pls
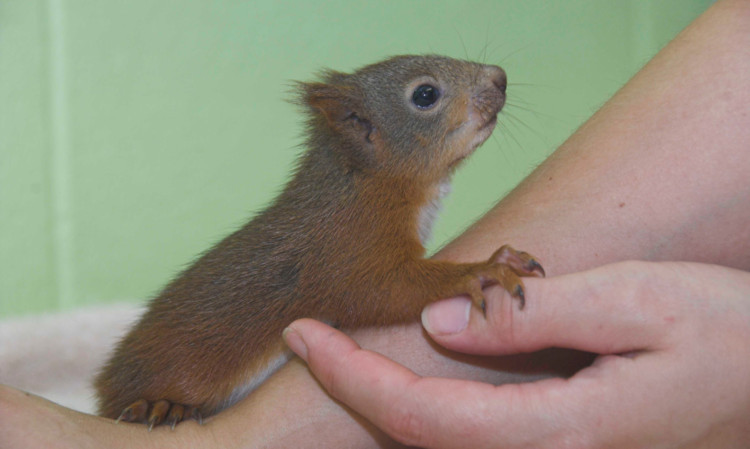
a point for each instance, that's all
(497, 77)
(501, 82)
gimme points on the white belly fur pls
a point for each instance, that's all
(430, 211)
(245, 389)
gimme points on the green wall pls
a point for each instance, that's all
(134, 134)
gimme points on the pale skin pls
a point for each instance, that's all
(659, 173)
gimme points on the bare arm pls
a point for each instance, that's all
(660, 172)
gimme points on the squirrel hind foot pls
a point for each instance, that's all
(159, 412)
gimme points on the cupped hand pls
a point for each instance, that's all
(673, 369)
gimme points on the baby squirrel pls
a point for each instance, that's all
(342, 243)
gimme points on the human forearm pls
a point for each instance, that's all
(660, 172)
(292, 410)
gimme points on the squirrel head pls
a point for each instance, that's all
(407, 116)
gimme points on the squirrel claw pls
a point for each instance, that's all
(523, 263)
(176, 413)
(533, 266)
(196, 415)
(134, 412)
(158, 412)
(519, 293)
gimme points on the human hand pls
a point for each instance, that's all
(673, 370)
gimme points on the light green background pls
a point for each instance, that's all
(134, 134)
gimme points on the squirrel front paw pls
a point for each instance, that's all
(158, 412)
(505, 267)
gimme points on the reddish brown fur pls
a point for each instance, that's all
(339, 244)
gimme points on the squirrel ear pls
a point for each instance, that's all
(342, 110)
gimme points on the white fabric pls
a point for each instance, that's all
(56, 355)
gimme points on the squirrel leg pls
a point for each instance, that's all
(423, 281)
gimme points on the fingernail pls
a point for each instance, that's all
(446, 317)
(295, 342)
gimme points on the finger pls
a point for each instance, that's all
(330, 353)
(366, 381)
(612, 309)
(435, 412)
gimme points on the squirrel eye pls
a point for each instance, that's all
(425, 96)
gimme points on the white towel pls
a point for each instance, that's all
(56, 355)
